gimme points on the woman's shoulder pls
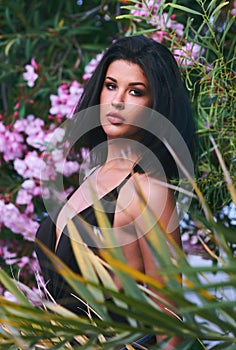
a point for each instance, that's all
(145, 198)
(144, 183)
(144, 189)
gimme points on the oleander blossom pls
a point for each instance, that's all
(162, 22)
(43, 162)
(29, 189)
(30, 76)
(63, 104)
(33, 166)
(34, 130)
(11, 143)
(145, 9)
(91, 66)
(17, 222)
(188, 54)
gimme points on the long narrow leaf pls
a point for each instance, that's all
(11, 286)
(183, 8)
(77, 282)
(228, 179)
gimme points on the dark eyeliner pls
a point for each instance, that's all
(138, 92)
(109, 85)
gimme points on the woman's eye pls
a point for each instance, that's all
(136, 92)
(110, 86)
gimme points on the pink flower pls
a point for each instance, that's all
(30, 76)
(29, 208)
(159, 36)
(20, 125)
(20, 166)
(23, 261)
(70, 168)
(233, 11)
(23, 197)
(64, 103)
(178, 28)
(163, 23)
(55, 136)
(34, 125)
(18, 222)
(33, 63)
(28, 185)
(32, 166)
(91, 66)
(11, 145)
(145, 9)
(2, 138)
(188, 54)
(57, 155)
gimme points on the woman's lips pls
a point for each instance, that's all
(115, 118)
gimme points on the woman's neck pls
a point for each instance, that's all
(122, 153)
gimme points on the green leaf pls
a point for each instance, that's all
(217, 10)
(183, 8)
(77, 282)
(11, 286)
(8, 19)
(9, 45)
(84, 257)
(129, 17)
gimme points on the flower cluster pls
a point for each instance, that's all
(16, 221)
(91, 66)
(166, 28)
(63, 104)
(188, 54)
(36, 152)
(164, 24)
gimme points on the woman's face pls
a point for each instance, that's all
(123, 99)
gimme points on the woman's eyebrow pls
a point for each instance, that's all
(130, 84)
(112, 79)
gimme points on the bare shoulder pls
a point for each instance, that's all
(141, 192)
(151, 186)
(149, 190)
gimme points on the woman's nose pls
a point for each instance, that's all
(118, 101)
(118, 105)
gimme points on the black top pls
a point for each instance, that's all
(55, 283)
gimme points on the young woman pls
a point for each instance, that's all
(135, 100)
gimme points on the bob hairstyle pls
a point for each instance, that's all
(168, 94)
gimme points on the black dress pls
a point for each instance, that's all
(55, 283)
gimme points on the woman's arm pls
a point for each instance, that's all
(160, 201)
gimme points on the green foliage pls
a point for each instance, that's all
(210, 81)
(62, 36)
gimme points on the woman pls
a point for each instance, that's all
(138, 89)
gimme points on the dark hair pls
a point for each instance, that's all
(167, 89)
